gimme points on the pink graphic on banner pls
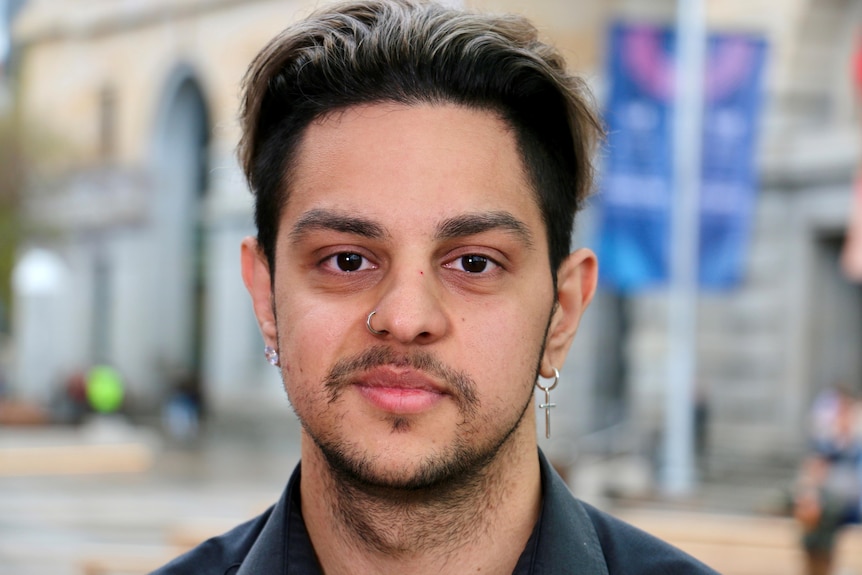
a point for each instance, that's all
(651, 67)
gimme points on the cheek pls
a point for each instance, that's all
(310, 336)
(504, 346)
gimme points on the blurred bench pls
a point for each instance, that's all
(127, 564)
(744, 545)
(140, 561)
(188, 534)
(75, 459)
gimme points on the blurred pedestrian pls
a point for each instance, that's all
(416, 171)
(181, 414)
(701, 426)
(70, 402)
(829, 490)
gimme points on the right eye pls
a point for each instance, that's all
(346, 262)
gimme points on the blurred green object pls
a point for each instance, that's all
(104, 389)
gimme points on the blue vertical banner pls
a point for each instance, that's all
(636, 189)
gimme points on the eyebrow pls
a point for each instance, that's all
(472, 224)
(333, 220)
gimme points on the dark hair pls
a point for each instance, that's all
(412, 52)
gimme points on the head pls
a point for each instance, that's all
(408, 52)
(426, 164)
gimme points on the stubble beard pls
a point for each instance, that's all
(422, 505)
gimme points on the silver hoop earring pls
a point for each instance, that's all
(271, 355)
(368, 324)
(548, 405)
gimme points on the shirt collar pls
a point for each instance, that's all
(283, 546)
(566, 541)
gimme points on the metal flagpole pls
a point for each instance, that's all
(678, 471)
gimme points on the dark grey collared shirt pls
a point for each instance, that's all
(570, 537)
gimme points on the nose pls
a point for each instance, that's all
(410, 309)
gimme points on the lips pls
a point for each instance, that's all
(399, 391)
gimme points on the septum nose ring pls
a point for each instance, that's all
(368, 324)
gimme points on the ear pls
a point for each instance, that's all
(576, 284)
(258, 282)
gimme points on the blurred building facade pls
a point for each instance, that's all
(136, 193)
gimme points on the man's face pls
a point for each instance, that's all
(423, 214)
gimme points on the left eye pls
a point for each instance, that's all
(474, 263)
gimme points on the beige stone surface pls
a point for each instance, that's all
(66, 67)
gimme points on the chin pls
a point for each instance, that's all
(407, 466)
(405, 472)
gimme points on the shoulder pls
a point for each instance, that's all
(220, 555)
(630, 551)
(574, 534)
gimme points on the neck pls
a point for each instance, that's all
(481, 521)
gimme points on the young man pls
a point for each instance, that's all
(416, 171)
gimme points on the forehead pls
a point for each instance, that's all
(398, 160)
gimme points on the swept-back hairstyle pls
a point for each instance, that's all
(411, 52)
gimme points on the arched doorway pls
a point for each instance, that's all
(180, 161)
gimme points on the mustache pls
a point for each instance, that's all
(458, 384)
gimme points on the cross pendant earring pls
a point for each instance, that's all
(548, 405)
